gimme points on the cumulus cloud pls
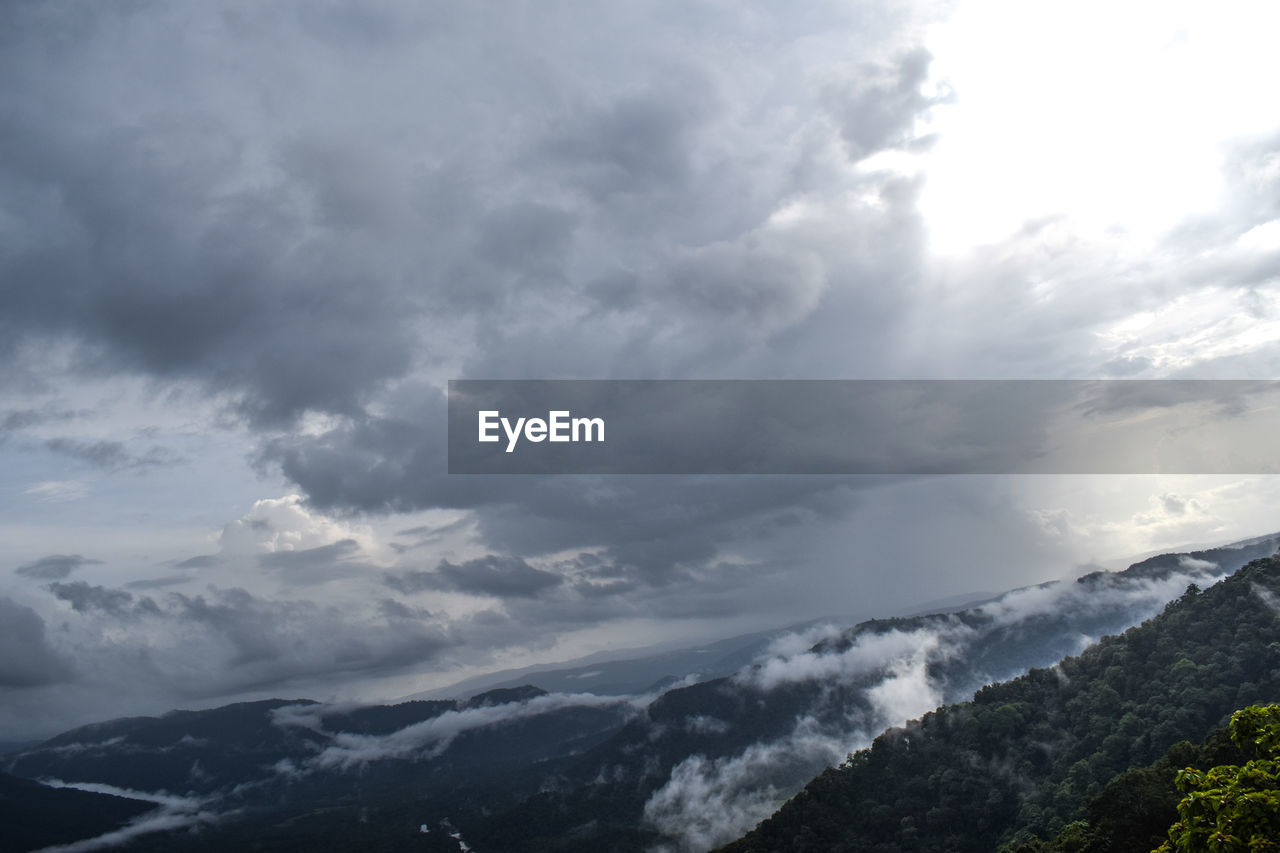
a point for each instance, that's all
(275, 528)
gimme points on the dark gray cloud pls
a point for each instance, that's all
(393, 609)
(12, 420)
(328, 209)
(304, 270)
(426, 535)
(242, 642)
(154, 272)
(299, 270)
(16, 419)
(85, 597)
(276, 642)
(112, 455)
(639, 145)
(158, 583)
(652, 529)
(502, 576)
(315, 565)
(413, 581)
(54, 566)
(297, 246)
(878, 108)
(26, 658)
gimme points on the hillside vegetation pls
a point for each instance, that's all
(1029, 757)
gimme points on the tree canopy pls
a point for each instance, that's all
(1233, 808)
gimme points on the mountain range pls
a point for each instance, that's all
(684, 768)
(1061, 758)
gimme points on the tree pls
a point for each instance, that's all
(1232, 808)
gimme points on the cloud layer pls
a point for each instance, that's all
(242, 248)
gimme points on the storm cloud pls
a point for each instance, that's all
(222, 641)
(26, 658)
(299, 270)
(111, 455)
(492, 575)
(242, 249)
(84, 597)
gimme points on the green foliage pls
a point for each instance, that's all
(1231, 808)
(1133, 811)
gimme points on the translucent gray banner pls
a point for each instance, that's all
(864, 427)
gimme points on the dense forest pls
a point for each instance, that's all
(1080, 756)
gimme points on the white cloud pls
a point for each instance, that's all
(286, 524)
(173, 813)
(431, 737)
(56, 491)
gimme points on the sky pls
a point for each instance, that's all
(244, 246)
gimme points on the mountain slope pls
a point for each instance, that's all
(1028, 754)
(705, 762)
(39, 816)
(279, 769)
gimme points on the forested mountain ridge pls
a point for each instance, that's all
(704, 762)
(1026, 756)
